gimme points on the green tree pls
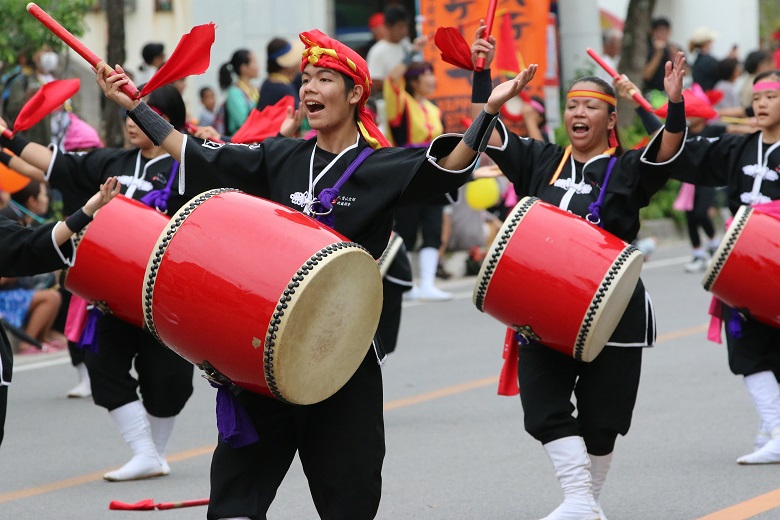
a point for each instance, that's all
(21, 33)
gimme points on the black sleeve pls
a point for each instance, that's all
(708, 161)
(29, 251)
(651, 123)
(78, 176)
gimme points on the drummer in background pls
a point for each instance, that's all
(748, 166)
(340, 440)
(46, 248)
(147, 173)
(571, 178)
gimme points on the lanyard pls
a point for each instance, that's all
(310, 199)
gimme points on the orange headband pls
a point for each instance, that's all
(592, 94)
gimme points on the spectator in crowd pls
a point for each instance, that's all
(705, 66)
(390, 50)
(153, 54)
(208, 107)
(241, 96)
(612, 45)
(376, 24)
(283, 63)
(660, 50)
(728, 72)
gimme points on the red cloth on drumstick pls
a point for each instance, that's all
(507, 382)
(453, 47)
(190, 58)
(324, 51)
(49, 97)
(716, 321)
(508, 61)
(265, 123)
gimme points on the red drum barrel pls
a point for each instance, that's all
(111, 257)
(261, 295)
(745, 269)
(557, 279)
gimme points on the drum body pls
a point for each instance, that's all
(111, 257)
(556, 279)
(263, 296)
(745, 270)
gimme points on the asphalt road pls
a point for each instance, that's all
(455, 450)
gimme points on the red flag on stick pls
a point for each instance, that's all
(453, 47)
(262, 124)
(149, 505)
(49, 97)
(190, 58)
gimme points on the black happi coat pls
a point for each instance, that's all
(79, 175)
(635, 178)
(278, 170)
(25, 252)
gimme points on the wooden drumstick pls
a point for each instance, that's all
(612, 72)
(491, 13)
(72, 42)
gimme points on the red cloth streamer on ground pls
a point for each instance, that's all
(262, 124)
(453, 47)
(612, 72)
(491, 14)
(191, 57)
(48, 98)
(149, 505)
(71, 41)
(507, 382)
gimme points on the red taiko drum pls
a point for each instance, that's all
(111, 257)
(557, 279)
(263, 296)
(745, 269)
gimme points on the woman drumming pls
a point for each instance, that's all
(28, 251)
(147, 173)
(572, 178)
(748, 166)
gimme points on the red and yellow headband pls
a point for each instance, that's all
(592, 94)
(761, 86)
(324, 51)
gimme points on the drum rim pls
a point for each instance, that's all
(726, 246)
(496, 250)
(393, 245)
(163, 241)
(600, 298)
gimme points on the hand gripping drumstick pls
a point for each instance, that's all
(612, 72)
(71, 41)
(491, 13)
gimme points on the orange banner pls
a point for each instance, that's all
(453, 86)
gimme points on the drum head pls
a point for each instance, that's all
(608, 304)
(326, 328)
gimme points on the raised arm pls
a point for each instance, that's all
(625, 89)
(153, 125)
(674, 130)
(34, 154)
(476, 137)
(21, 166)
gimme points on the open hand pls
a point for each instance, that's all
(292, 122)
(673, 78)
(108, 190)
(509, 89)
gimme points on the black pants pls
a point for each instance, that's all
(605, 389)
(164, 377)
(340, 442)
(699, 216)
(756, 350)
(390, 319)
(3, 408)
(422, 217)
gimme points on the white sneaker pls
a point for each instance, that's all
(761, 439)
(433, 294)
(412, 294)
(696, 265)
(768, 454)
(81, 390)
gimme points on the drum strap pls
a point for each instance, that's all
(327, 197)
(594, 209)
(158, 199)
